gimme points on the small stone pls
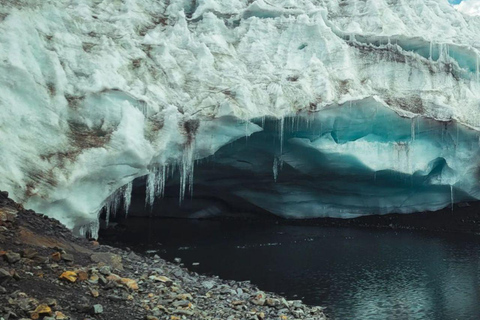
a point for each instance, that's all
(12, 257)
(259, 298)
(167, 281)
(60, 316)
(181, 303)
(177, 260)
(109, 259)
(69, 276)
(51, 302)
(57, 256)
(105, 270)
(151, 318)
(96, 309)
(5, 276)
(68, 257)
(94, 293)
(82, 276)
(261, 316)
(42, 310)
(29, 253)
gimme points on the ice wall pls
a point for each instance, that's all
(94, 94)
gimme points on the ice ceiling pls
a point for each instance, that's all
(345, 161)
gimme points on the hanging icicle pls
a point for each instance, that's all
(127, 196)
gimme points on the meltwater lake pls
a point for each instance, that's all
(354, 273)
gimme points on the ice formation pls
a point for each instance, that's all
(97, 93)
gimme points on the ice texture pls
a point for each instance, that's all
(94, 94)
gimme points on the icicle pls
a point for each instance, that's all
(451, 196)
(160, 179)
(186, 172)
(275, 169)
(127, 196)
(282, 127)
(412, 129)
(150, 190)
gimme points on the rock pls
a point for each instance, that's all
(69, 276)
(151, 318)
(96, 309)
(272, 302)
(181, 303)
(105, 270)
(12, 257)
(51, 302)
(94, 293)
(177, 260)
(60, 316)
(57, 256)
(5, 276)
(261, 316)
(29, 253)
(41, 311)
(109, 259)
(167, 281)
(259, 298)
(68, 257)
(82, 276)
(208, 284)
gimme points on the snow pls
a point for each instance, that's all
(470, 7)
(97, 93)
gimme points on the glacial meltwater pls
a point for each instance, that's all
(354, 273)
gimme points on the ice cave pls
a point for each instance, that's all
(355, 159)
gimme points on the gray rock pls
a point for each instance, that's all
(12, 257)
(5, 276)
(67, 257)
(105, 270)
(209, 284)
(181, 303)
(96, 309)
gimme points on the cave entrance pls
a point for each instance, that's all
(342, 162)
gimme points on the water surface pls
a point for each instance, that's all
(355, 273)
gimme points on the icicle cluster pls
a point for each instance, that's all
(114, 201)
(155, 184)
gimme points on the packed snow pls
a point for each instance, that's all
(97, 93)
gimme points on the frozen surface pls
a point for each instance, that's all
(97, 93)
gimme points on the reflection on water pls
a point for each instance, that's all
(355, 273)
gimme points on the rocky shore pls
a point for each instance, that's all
(47, 273)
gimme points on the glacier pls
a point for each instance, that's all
(97, 93)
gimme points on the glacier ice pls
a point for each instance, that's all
(95, 94)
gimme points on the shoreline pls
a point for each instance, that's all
(47, 273)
